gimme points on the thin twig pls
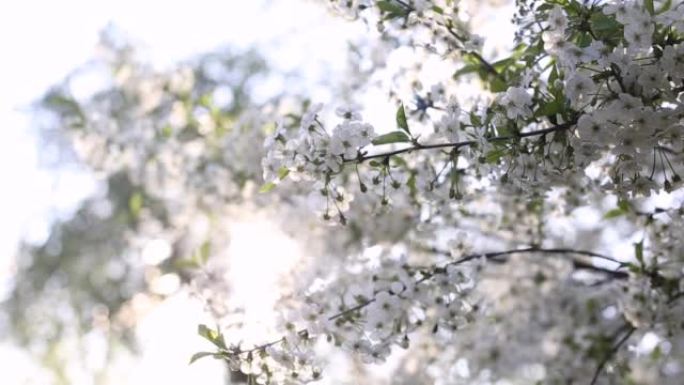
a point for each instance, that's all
(611, 353)
(630, 330)
(465, 259)
(577, 263)
(487, 65)
(539, 250)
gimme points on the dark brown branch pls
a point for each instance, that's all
(487, 65)
(455, 145)
(588, 266)
(465, 259)
(629, 330)
(538, 250)
(660, 210)
(578, 264)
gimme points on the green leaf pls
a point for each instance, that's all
(605, 27)
(639, 252)
(469, 68)
(502, 64)
(203, 255)
(553, 76)
(498, 85)
(494, 156)
(648, 4)
(475, 120)
(666, 7)
(438, 9)
(167, 131)
(267, 187)
(401, 119)
(550, 108)
(624, 205)
(622, 209)
(391, 9)
(392, 137)
(603, 23)
(206, 332)
(411, 183)
(182, 264)
(205, 101)
(199, 355)
(522, 50)
(614, 213)
(283, 172)
(398, 161)
(574, 7)
(64, 105)
(656, 354)
(583, 40)
(135, 204)
(212, 336)
(532, 52)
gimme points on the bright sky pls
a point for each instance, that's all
(43, 41)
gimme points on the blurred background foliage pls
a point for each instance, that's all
(168, 150)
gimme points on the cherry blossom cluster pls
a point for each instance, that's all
(310, 151)
(628, 92)
(616, 99)
(587, 109)
(374, 312)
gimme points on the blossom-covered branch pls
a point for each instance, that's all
(574, 130)
(363, 156)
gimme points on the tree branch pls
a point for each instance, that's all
(548, 251)
(465, 259)
(630, 329)
(487, 65)
(559, 127)
(532, 250)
